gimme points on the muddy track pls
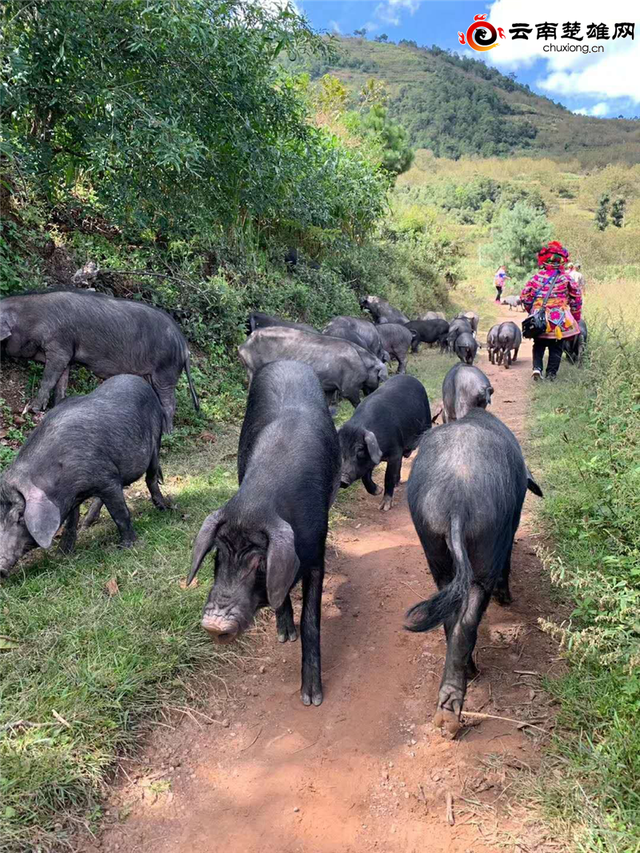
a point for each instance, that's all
(366, 770)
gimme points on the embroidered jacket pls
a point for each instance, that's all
(564, 306)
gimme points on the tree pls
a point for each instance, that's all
(172, 117)
(518, 234)
(382, 37)
(602, 212)
(617, 212)
(389, 139)
(374, 92)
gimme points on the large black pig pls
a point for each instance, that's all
(466, 490)
(109, 336)
(86, 447)
(272, 532)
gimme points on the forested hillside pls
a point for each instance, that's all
(460, 106)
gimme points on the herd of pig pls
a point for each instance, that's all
(465, 491)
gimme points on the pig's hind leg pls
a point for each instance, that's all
(115, 503)
(152, 479)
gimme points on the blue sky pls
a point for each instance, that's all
(606, 84)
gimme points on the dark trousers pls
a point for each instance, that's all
(555, 354)
(499, 293)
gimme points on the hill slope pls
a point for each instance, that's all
(457, 106)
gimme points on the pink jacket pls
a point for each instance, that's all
(563, 308)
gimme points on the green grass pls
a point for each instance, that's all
(586, 435)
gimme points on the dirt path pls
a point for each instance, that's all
(367, 770)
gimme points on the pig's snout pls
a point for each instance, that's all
(221, 628)
(345, 480)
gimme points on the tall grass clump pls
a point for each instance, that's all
(587, 433)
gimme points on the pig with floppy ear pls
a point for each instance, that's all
(28, 518)
(282, 561)
(373, 447)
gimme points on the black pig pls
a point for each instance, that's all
(466, 491)
(464, 387)
(466, 347)
(428, 332)
(272, 532)
(109, 336)
(385, 426)
(85, 447)
(396, 340)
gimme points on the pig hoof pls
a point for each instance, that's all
(378, 490)
(313, 698)
(129, 542)
(289, 634)
(386, 504)
(447, 721)
(502, 597)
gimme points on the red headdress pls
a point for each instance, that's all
(554, 255)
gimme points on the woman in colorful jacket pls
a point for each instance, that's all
(563, 308)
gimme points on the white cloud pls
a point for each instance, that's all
(614, 73)
(335, 27)
(598, 110)
(389, 13)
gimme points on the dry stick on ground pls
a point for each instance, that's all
(244, 748)
(450, 818)
(504, 720)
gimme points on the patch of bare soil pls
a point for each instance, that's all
(367, 770)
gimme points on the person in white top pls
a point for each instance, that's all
(577, 276)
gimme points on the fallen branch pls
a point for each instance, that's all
(22, 724)
(61, 719)
(244, 748)
(504, 720)
(450, 817)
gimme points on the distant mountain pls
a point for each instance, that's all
(457, 106)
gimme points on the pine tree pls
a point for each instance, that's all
(617, 212)
(602, 213)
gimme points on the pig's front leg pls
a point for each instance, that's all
(391, 480)
(68, 540)
(369, 485)
(311, 690)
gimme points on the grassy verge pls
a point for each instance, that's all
(586, 434)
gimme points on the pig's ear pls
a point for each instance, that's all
(41, 516)
(373, 447)
(205, 540)
(5, 329)
(282, 563)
